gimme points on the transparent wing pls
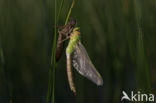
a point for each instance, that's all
(83, 64)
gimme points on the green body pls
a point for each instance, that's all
(75, 37)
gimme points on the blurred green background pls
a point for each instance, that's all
(119, 35)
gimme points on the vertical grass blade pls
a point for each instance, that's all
(51, 85)
(142, 69)
(70, 11)
(60, 9)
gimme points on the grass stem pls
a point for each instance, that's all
(70, 10)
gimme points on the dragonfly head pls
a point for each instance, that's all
(76, 30)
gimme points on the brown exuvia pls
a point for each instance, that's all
(64, 32)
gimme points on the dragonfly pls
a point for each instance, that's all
(64, 32)
(77, 56)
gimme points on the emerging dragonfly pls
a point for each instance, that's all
(76, 53)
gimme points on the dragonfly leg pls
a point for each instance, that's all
(68, 37)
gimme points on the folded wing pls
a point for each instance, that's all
(83, 64)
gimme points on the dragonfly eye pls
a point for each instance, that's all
(76, 29)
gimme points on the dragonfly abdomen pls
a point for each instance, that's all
(69, 73)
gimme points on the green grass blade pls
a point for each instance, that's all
(51, 84)
(60, 9)
(142, 69)
(70, 11)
